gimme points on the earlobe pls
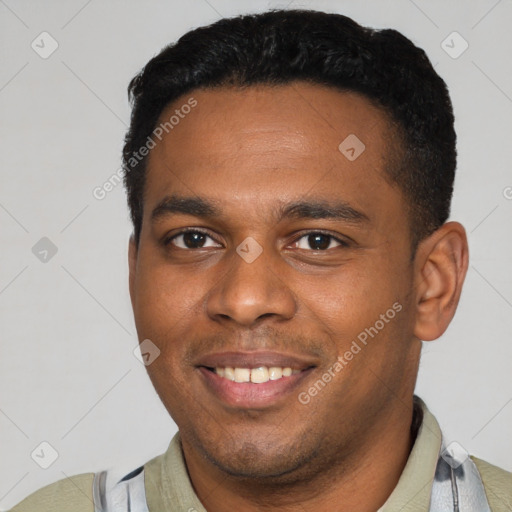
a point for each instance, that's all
(442, 263)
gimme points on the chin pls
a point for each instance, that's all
(261, 460)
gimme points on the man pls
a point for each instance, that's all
(289, 177)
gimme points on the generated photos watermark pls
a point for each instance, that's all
(101, 191)
(342, 361)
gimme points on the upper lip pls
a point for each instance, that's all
(254, 360)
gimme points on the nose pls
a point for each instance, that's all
(250, 291)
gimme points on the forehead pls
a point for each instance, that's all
(301, 113)
(254, 146)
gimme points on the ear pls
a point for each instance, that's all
(132, 265)
(441, 264)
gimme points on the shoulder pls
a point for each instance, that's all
(498, 485)
(73, 493)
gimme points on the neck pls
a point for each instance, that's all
(361, 480)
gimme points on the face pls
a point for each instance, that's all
(268, 254)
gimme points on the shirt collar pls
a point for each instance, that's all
(412, 493)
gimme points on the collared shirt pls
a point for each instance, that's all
(168, 486)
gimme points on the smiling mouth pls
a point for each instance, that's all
(253, 388)
(253, 380)
(257, 375)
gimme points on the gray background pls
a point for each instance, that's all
(68, 374)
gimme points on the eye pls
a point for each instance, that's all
(197, 239)
(190, 239)
(318, 241)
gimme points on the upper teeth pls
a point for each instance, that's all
(256, 375)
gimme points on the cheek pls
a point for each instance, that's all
(346, 302)
(166, 297)
(169, 311)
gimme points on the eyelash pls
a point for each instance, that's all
(167, 240)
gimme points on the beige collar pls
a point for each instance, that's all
(413, 490)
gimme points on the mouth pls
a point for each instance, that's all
(257, 375)
(253, 380)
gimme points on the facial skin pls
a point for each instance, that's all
(250, 152)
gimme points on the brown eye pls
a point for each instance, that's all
(190, 239)
(318, 241)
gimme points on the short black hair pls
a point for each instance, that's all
(279, 47)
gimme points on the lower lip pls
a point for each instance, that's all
(248, 395)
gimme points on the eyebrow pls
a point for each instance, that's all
(305, 209)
